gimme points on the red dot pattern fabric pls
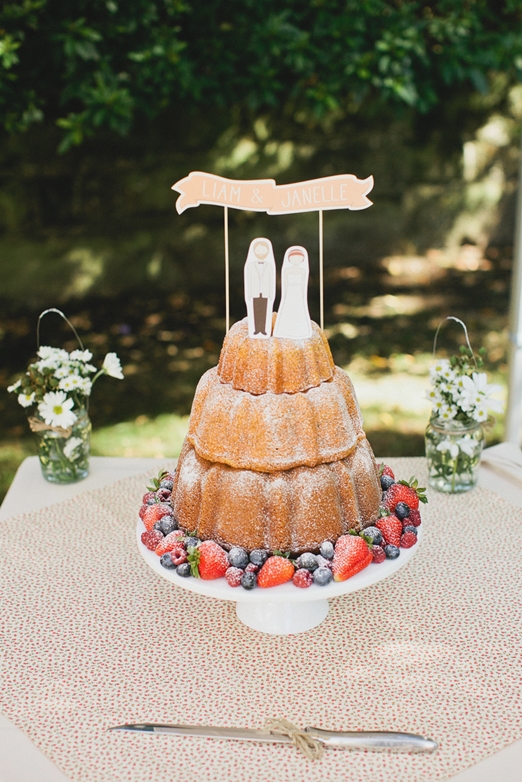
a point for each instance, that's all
(91, 637)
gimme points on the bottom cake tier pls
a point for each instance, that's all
(292, 510)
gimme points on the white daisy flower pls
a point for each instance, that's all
(447, 413)
(26, 400)
(86, 386)
(14, 387)
(480, 414)
(70, 383)
(57, 354)
(70, 447)
(81, 355)
(440, 368)
(112, 366)
(89, 368)
(56, 409)
(64, 371)
(433, 395)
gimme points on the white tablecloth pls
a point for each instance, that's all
(21, 761)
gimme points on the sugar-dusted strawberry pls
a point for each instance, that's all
(276, 570)
(383, 469)
(352, 554)
(208, 560)
(391, 528)
(408, 492)
(151, 538)
(414, 518)
(154, 513)
(170, 542)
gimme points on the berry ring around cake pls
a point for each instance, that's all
(279, 592)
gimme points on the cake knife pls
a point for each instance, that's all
(368, 740)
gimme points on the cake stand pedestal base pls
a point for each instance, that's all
(282, 618)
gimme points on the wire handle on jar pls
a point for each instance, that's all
(66, 319)
(457, 320)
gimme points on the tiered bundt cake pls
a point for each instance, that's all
(275, 456)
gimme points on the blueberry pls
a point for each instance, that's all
(410, 528)
(157, 527)
(307, 561)
(392, 552)
(402, 510)
(386, 482)
(238, 557)
(166, 484)
(258, 557)
(152, 501)
(322, 576)
(373, 533)
(249, 580)
(191, 542)
(183, 570)
(167, 524)
(166, 562)
(327, 549)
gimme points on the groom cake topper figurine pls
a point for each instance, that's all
(260, 287)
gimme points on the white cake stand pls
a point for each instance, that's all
(282, 610)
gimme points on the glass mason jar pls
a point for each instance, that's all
(64, 457)
(453, 450)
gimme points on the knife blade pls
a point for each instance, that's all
(376, 741)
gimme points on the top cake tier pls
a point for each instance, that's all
(281, 366)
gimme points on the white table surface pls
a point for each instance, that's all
(21, 761)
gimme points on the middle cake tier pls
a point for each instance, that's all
(273, 432)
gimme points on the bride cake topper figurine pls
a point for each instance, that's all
(260, 287)
(293, 318)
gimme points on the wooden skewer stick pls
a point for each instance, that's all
(227, 273)
(321, 259)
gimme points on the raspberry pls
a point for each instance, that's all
(178, 555)
(251, 568)
(302, 578)
(234, 576)
(378, 554)
(414, 518)
(142, 510)
(408, 539)
(151, 538)
(148, 497)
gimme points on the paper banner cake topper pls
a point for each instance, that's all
(342, 191)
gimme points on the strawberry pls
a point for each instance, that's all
(383, 469)
(414, 518)
(170, 542)
(154, 513)
(276, 570)
(391, 528)
(405, 491)
(352, 554)
(208, 560)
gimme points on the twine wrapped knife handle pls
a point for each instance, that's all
(303, 741)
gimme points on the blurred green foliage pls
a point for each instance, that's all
(101, 64)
